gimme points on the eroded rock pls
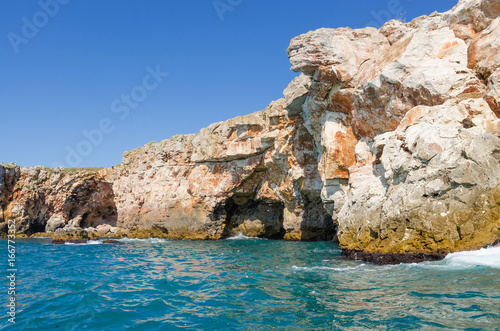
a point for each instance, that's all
(43, 200)
(391, 135)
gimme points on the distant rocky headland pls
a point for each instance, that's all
(388, 141)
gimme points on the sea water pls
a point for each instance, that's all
(244, 284)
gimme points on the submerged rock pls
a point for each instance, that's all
(391, 258)
(112, 241)
(388, 140)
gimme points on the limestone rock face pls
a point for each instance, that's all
(43, 200)
(407, 130)
(338, 52)
(256, 175)
(390, 135)
(484, 57)
(434, 187)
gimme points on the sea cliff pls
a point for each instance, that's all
(388, 141)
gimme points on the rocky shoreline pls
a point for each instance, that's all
(388, 141)
(391, 258)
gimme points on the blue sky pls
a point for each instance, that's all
(67, 69)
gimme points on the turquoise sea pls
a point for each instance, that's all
(245, 284)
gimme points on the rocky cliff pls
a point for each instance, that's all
(388, 139)
(45, 200)
(255, 174)
(405, 122)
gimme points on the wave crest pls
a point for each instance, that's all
(148, 240)
(488, 257)
(90, 242)
(240, 236)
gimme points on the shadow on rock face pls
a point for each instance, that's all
(266, 219)
(252, 218)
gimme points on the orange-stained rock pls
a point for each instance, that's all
(484, 52)
(40, 199)
(391, 135)
(340, 143)
(234, 176)
(392, 128)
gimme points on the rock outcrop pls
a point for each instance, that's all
(49, 200)
(405, 120)
(256, 175)
(388, 139)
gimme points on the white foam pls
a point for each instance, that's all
(148, 240)
(488, 257)
(240, 236)
(90, 242)
(326, 250)
(326, 268)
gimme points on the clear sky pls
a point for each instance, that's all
(84, 81)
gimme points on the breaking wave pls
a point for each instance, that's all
(326, 268)
(487, 257)
(148, 241)
(90, 242)
(240, 236)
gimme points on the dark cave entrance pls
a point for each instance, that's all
(37, 226)
(253, 218)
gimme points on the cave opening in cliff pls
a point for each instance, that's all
(252, 218)
(105, 215)
(37, 226)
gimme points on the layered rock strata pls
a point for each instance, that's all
(388, 139)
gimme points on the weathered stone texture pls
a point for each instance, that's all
(391, 135)
(44, 200)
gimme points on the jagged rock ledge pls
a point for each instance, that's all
(391, 258)
(396, 258)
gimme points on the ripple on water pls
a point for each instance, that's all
(247, 283)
